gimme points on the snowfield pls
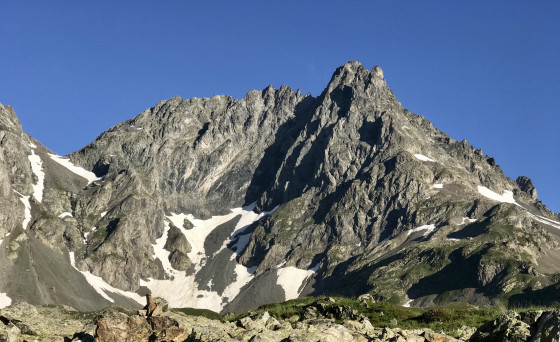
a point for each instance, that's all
(182, 290)
(423, 158)
(293, 279)
(37, 168)
(27, 210)
(90, 176)
(101, 287)
(65, 214)
(466, 220)
(428, 228)
(507, 197)
(5, 300)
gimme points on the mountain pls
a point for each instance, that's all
(226, 204)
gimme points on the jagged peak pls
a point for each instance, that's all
(348, 74)
(353, 73)
(377, 71)
(377, 77)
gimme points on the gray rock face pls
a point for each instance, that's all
(535, 326)
(345, 193)
(14, 174)
(526, 185)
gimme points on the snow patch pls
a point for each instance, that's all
(407, 304)
(282, 263)
(90, 176)
(429, 228)
(247, 218)
(545, 220)
(438, 186)
(181, 290)
(162, 254)
(453, 239)
(5, 300)
(423, 158)
(27, 210)
(292, 280)
(37, 168)
(101, 287)
(202, 228)
(242, 242)
(103, 214)
(506, 197)
(243, 276)
(65, 214)
(32, 145)
(466, 220)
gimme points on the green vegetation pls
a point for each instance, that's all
(199, 312)
(449, 318)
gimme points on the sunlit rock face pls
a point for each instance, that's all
(227, 204)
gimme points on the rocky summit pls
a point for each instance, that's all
(227, 204)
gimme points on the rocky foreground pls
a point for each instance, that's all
(323, 321)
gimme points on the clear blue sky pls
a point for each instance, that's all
(485, 71)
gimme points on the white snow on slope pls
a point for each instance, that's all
(407, 304)
(466, 220)
(506, 197)
(292, 280)
(429, 228)
(103, 214)
(202, 228)
(65, 214)
(5, 300)
(101, 287)
(438, 186)
(246, 220)
(27, 210)
(282, 263)
(161, 253)
(248, 217)
(90, 176)
(37, 168)
(423, 158)
(86, 234)
(243, 276)
(182, 290)
(545, 220)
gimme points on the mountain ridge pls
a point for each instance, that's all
(227, 202)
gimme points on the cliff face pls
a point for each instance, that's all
(227, 204)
